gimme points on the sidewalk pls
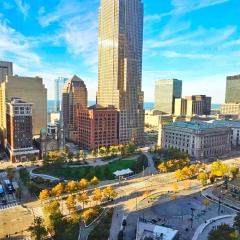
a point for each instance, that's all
(204, 229)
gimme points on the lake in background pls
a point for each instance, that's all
(147, 105)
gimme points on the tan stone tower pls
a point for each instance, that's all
(74, 93)
(120, 64)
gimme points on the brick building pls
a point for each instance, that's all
(97, 126)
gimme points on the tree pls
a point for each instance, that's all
(203, 177)
(87, 214)
(83, 198)
(179, 175)
(50, 210)
(58, 190)
(95, 152)
(186, 185)
(70, 203)
(44, 194)
(94, 181)
(38, 231)
(97, 195)
(162, 167)
(71, 186)
(236, 223)
(223, 232)
(219, 169)
(83, 184)
(103, 151)
(83, 155)
(109, 193)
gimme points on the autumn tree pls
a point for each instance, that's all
(70, 203)
(219, 169)
(58, 190)
(97, 195)
(203, 177)
(162, 167)
(109, 193)
(71, 186)
(83, 184)
(94, 181)
(175, 187)
(44, 194)
(83, 198)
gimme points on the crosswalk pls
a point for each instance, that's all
(8, 205)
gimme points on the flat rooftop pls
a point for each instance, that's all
(194, 125)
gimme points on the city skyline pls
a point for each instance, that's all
(60, 39)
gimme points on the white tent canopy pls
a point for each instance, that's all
(123, 172)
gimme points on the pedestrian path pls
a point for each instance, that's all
(9, 205)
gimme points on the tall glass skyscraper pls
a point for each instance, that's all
(233, 89)
(59, 83)
(166, 91)
(120, 64)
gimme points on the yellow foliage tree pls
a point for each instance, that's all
(83, 198)
(70, 203)
(109, 193)
(72, 186)
(97, 195)
(44, 194)
(94, 181)
(58, 190)
(175, 187)
(162, 167)
(83, 184)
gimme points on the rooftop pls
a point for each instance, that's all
(193, 125)
(147, 229)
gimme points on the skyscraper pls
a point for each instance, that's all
(120, 64)
(74, 93)
(6, 69)
(166, 91)
(233, 89)
(59, 83)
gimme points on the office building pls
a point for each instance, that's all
(6, 69)
(58, 85)
(120, 64)
(30, 90)
(19, 131)
(97, 126)
(193, 105)
(230, 109)
(233, 89)
(180, 107)
(166, 91)
(74, 93)
(198, 139)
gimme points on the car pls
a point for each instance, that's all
(4, 202)
(2, 193)
(19, 166)
(8, 186)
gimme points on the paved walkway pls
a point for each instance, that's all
(204, 229)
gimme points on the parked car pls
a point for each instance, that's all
(8, 186)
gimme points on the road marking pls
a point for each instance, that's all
(9, 205)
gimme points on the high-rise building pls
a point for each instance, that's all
(29, 89)
(19, 131)
(230, 109)
(120, 64)
(198, 105)
(6, 69)
(180, 108)
(74, 93)
(233, 89)
(97, 126)
(59, 83)
(166, 91)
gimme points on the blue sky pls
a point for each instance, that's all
(197, 41)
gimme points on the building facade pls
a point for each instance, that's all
(58, 85)
(30, 90)
(198, 139)
(193, 105)
(97, 126)
(120, 64)
(6, 69)
(230, 109)
(19, 131)
(74, 93)
(233, 89)
(166, 91)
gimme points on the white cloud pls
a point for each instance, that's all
(232, 43)
(173, 54)
(23, 7)
(16, 46)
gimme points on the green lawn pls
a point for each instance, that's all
(104, 172)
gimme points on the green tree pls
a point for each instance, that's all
(236, 224)
(38, 231)
(223, 232)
